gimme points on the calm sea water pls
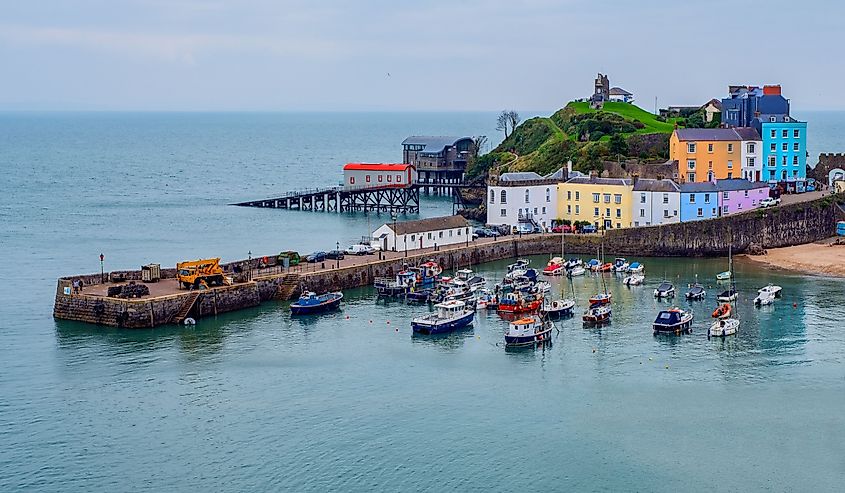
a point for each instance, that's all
(258, 401)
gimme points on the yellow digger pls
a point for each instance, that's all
(195, 273)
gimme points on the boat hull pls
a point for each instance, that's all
(684, 327)
(441, 327)
(330, 305)
(528, 340)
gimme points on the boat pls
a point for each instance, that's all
(558, 308)
(404, 281)
(311, 302)
(722, 311)
(468, 276)
(633, 280)
(576, 271)
(542, 287)
(723, 327)
(673, 321)
(573, 263)
(456, 290)
(764, 298)
(605, 267)
(418, 296)
(593, 264)
(771, 289)
(664, 290)
(620, 265)
(601, 299)
(728, 295)
(728, 274)
(635, 268)
(555, 267)
(518, 268)
(514, 303)
(528, 331)
(450, 315)
(483, 298)
(597, 314)
(695, 292)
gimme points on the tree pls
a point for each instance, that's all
(618, 145)
(513, 119)
(478, 144)
(502, 122)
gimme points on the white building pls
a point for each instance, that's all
(424, 233)
(751, 155)
(525, 198)
(621, 95)
(656, 202)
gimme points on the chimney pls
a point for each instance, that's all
(593, 174)
(568, 168)
(634, 179)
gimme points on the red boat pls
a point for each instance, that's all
(601, 299)
(605, 267)
(515, 305)
(724, 311)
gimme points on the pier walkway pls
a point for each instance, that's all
(405, 200)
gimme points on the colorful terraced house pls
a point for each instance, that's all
(707, 154)
(604, 202)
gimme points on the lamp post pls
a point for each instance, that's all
(337, 256)
(393, 216)
(102, 269)
(406, 245)
(249, 266)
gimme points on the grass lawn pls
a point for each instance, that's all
(631, 112)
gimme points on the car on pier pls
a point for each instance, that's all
(360, 249)
(316, 257)
(335, 255)
(770, 202)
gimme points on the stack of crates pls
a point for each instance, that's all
(151, 272)
(840, 228)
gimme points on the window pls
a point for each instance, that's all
(796, 133)
(569, 209)
(730, 148)
(380, 178)
(367, 179)
(714, 211)
(607, 198)
(783, 175)
(706, 198)
(665, 212)
(503, 213)
(709, 147)
(577, 195)
(617, 198)
(544, 210)
(730, 164)
(577, 209)
(783, 160)
(772, 161)
(730, 175)
(535, 210)
(569, 195)
(784, 133)
(618, 213)
(725, 209)
(503, 197)
(526, 196)
(389, 178)
(665, 198)
(492, 196)
(596, 198)
(691, 147)
(795, 146)
(773, 119)
(618, 225)
(450, 233)
(691, 164)
(785, 146)
(429, 236)
(795, 173)
(725, 195)
(795, 160)
(642, 198)
(751, 162)
(700, 212)
(691, 177)
(398, 178)
(773, 147)
(642, 212)
(441, 233)
(351, 180)
(459, 234)
(413, 238)
(750, 147)
(548, 195)
(746, 193)
(709, 164)
(596, 212)
(607, 212)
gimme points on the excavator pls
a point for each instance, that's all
(194, 273)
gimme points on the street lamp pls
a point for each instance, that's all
(393, 216)
(249, 266)
(406, 244)
(337, 256)
(102, 269)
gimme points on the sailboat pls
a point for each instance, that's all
(563, 306)
(726, 323)
(599, 310)
(724, 276)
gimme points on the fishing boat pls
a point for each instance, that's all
(311, 302)
(474, 281)
(775, 291)
(633, 280)
(515, 303)
(695, 292)
(390, 287)
(528, 331)
(542, 287)
(554, 267)
(764, 298)
(597, 314)
(728, 274)
(729, 294)
(722, 311)
(620, 265)
(673, 321)
(573, 263)
(418, 296)
(635, 268)
(484, 297)
(601, 299)
(518, 268)
(664, 290)
(576, 271)
(450, 315)
(723, 327)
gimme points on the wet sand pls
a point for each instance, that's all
(821, 258)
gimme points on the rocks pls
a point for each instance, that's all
(755, 249)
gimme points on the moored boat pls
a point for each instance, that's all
(577, 271)
(695, 292)
(620, 265)
(474, 281)
(723, 327)
(311, 302)
(554, 267)
(601, 299)
(722, 311)
(558, 308)
(633, 280)
(573, 263)
(673, 321)
(728, 295)
(514, 303)
(593, 264)
(764, 298)
(528, 331)
(665, 290)
(450, 315)
(775, 291)
(635, 268)
(597, 314)
(605, 267)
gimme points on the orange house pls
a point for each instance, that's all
(706, 154)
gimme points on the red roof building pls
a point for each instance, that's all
(378, 175)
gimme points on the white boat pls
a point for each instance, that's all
(620, 265)
(528, 331)
(664, 290)
(635, 268)
(577, 271)
(558, 308)
(728, 274)
(573, 263)
(450, 315)
(728, 295)
(468, 276)
(771, 289)
(764, 298)
(483, 297)
(633, 280)
(542, 287)
(723, 327)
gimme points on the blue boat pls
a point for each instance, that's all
(673, 321)
(593, 264)
(311, 302)
(450, 315)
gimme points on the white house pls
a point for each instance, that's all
(621, 95)
(525, 198)
(751, 155)
(424, 233)
(656, 202)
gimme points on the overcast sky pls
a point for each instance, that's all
(440, 55)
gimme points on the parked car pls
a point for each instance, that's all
(360, 250)
(335, 255)
(589, 228)
(316, 257)
(293, 258)
(562, 228)
(480, 232)
(523, 228)
(770, 202)
(487, 232)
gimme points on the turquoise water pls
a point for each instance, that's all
(258, 401)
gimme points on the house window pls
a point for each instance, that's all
(774, 134)
(785, 146)
(751, 162)
(596, 212)
(665, 198)
(784, 133)
(795, 146)
(569, 209)
(725, 209)
(730, 164)
(607, 198)
(618, 213)
(709, 164)
(730, 148)
(692, 198)
(691, 177)
(738, 206)
(429, 236)
(665, 212)
(548, 195)
(706, 198)
(441, 233)
(730, 175)
(725, 195)
(503, 197)
(795, 160)
(492, 196)
(691, 164)
(746, 193)
(714, 211)
(691, 147)
(709, 147)
(642, 198)
(607, 212)
(596, 198)
(642, 212)
(783, 160)
(459, 234)
(351, 180)
(450, 233)
(413, 237)
(577, 195)
(773, 147)
(795, 173)
(796, 133)
(700, 212)
(503, 213)
(783, 175)
(526, 196)
(544, 210)
(772, 161)
(617, 198)
(535, 210)
(569, 195)
(750, 147)
(577, 209)
(772, 119)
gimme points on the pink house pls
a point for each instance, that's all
(739, 195)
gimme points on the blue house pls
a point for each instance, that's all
(699, 201)
(745, 103)
(784, 152)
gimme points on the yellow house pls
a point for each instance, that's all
(603, 202)
(707, 154)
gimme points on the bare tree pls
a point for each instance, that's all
(502, 122)
(513, 119)
(477, 145)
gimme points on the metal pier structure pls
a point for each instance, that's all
(404, 200)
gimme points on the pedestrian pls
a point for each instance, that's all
(76, 286)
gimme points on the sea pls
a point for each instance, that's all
(352, 401)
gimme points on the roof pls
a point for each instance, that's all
(702, 186)
(715, 102)
(377, 166)
(522, 176)
(592, 180)
(714, 134)
(650, 185)
(433, 143)
(430, 224)
(738, 184)
(747, 133)
(560, 174)
(618, 91)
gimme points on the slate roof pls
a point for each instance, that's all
(738, 184)
(650, 185)
(560, 174)
(747, 133)
(715, 102)
(697, 187)
(520, 176)
(707, 134)
(433, 143)
(589, 180)
(618, 91)
(430, 224)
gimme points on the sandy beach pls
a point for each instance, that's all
(821, 258)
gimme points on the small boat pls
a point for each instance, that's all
(724, 276)
(728, 274)
(723, 327)
(473, 281)
(558, 308)
(483, 298)
(554, 267)
(311, 302)
(520, 264)
(573, 263)
(403, 282)
(664, 290)
(418, 296)
(605, 267)
(620, 265)
(593, 265)
(728, 295)
(764, 298)
(601, 299)
(576, 271)
(513, 303)
(722, 311)
(635, 268)
(528, 331)
(695, 292)
(542, 287)
(775, 291)
(673, 321)
(450, 315)
(597, 314)
(633, 280)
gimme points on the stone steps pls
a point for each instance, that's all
(288, 286)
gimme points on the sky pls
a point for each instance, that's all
(394, 55)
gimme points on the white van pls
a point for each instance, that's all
(359, 250)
